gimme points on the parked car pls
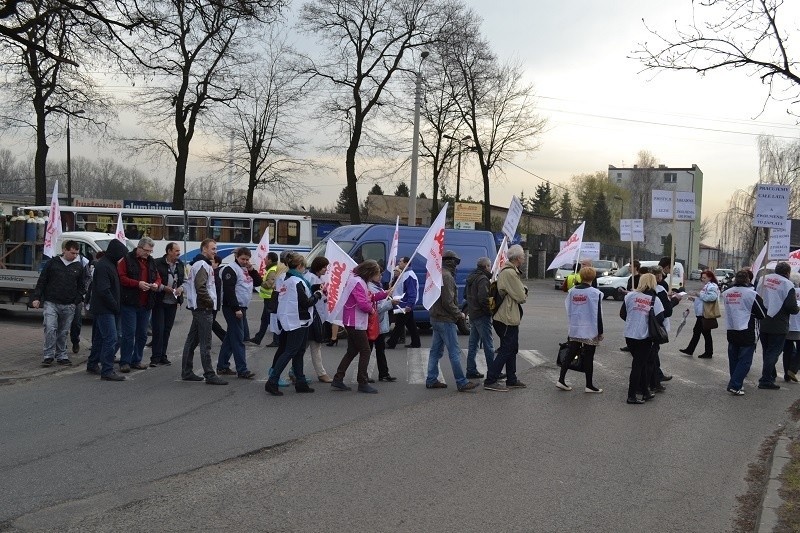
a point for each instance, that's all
(604, 267)
(611, 285)
(561, 274)
(695, 274)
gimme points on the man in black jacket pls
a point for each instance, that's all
(105, 308)
(172, 272)
(61, 285)
(480, 318)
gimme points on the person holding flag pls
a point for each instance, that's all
(480, 316)
(270, 270)
(407, 286)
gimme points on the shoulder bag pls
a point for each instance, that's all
(657, 331)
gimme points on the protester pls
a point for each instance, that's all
(357, 309)
(105, 304)
(742, 307)
(274, 325)
(201, 299)
(314, 274)
(655, 375)
(382, 306)
(407, 286)
(635, 312)
(77, 318)
(585, 315)
(791, 348)
(445, 314)
(238, 279)
(295, 314)
(265, 292)
(709, 293)
(172, 271)
(216, 263)
(61, 285)
(780, 301)
(633, 282)
(139, 281)
(506, 323)
(480, 316)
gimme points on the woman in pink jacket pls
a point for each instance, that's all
(357, 308)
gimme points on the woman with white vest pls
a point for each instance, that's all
(314, 274)
(791, 348)
(742, 307)
(295, 313)
(709, 293)
(585, 315)
(636, 313)
(238, 278)
(780, 301)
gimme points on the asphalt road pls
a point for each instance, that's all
(157, 454)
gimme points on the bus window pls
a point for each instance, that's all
(99, 222)
(198, 228)
(138, 226)
(288, 232)
(258, 229)
(230, 229)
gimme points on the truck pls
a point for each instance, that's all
(22, 257)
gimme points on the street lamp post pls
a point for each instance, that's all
(621, 206)
(69, 158)
(412, 200)
(458, 165)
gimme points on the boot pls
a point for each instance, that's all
(302, 386)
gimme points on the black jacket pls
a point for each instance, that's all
(105, 282)
(59, 283)
(130, 295)
(477, 293)
(747, 337)
(163, 271)
(229, 278)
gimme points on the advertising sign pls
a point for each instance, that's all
(467, 212)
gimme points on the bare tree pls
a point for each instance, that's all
(366, 43)
(191, 48)
(39, 87)
(496, 104)
(263, 122)
(644, 179)
(731, 34)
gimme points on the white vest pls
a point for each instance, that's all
(191, 293)
(738, 307)
(361, 318)
(774, 289)
(582, 305)
(274, 325)
(638, 306)
(794, 320)
(321, 307)
(244, 284)
(288, 315)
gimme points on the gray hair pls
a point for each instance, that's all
(484, 262)
(146, 241)
(795, 278)
(515, 252)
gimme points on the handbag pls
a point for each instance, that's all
(656, 330)
(563, 352)
(710, 323)
(315, 331)
(711, 310)
(373, 326)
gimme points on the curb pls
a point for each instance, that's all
(772, 502)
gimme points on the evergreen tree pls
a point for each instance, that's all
(543, 201)
(598, 223)
(565, 209)
(341, 203)
(402, 190)
(376, 189)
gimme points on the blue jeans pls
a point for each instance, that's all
(296, 341)
(445, 334)
(480, 328)
(134, 322)
(506, 355)
(104, 343)
(772, 346)
(233, 343)
(739, 359)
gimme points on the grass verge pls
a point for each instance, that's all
(789, 513)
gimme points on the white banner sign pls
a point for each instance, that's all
(631, 229)
(512, 218)
(779, 241)
(590, 250)
(684, 205)
(662, 204)
(772, 206)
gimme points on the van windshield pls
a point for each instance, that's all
(103, 244)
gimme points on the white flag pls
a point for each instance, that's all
(569, 253)
(120, 230)
(501, 259)
(393, 250)
(432, 248)
(262, 251)
(759, 260)
(53, 232)
(339, 271)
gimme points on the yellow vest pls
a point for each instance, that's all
(265, 293)
(572, 280)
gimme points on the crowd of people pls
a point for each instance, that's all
(130, 292)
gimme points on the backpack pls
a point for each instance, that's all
(495, 297)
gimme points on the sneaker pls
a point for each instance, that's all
(468, 387)
(367, 388)
(593, 390)
(659, 388)
(475, 375)
(225, 372)
(247, 374)
(624, 349)
(686, 351)
(112, 377)
(165, 362)
(666, 377)
(516, 385)
(48, 361)
(339, 385)
(437, 385)
(215, 380)
(153, 364)
(792, 376)
(192, 377)
(634, 401)
(139, 366)
(563, 386)
(769, 386)
(76, 347)
(65, 362)
(496, 386)
(736, 392)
